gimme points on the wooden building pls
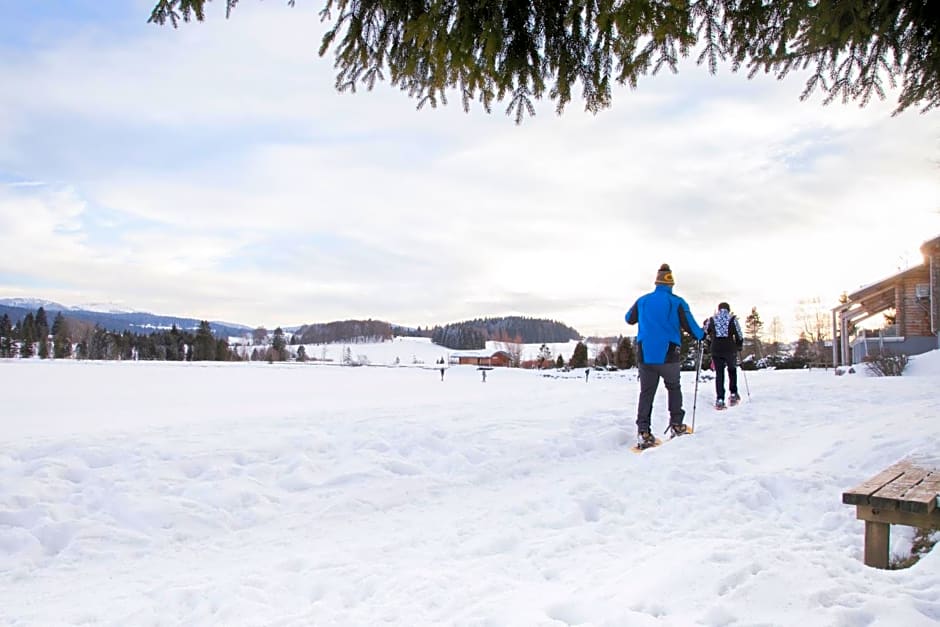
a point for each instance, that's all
(494, 359)
(914, 297)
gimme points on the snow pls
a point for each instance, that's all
(30, 303)
(416, 351)
(400, 350)
(108, 308)
(303, 494)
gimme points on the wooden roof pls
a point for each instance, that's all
(873, 289)
(930, 247)
(880, 296)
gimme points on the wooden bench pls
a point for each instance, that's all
(903, 494)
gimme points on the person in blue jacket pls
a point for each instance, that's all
(662, 317)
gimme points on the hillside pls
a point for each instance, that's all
(473, 334)
(117, 321)
(458, 335)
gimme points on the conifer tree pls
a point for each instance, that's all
(521, 51)
(27, 335)
(579, 358)
(803, 354)
(42, 322)
(560, 362)
(6, 337)
(279, 345)
(27, 342)
(174, 345)
(99, 347)
(222, 350)
(42, 333)
(752, 328)
(61, 344)
(625, 355)
(204, 344)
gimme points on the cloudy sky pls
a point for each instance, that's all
(214, 172)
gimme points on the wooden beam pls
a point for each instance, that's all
(900, 316)
(877, 537)
(861, 294)
(897, 517)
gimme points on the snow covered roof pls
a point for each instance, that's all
(930, 247)
(478, 353)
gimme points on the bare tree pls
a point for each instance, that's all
(814, 321)
(512, 346)
(776, 332)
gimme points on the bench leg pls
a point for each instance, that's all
(876, 544)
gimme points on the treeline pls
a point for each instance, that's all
(68, 338)
(353, 331)
(473, 334)
(618, 354)
(165, 345)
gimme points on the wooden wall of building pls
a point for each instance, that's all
(934, 264)
(914, 312)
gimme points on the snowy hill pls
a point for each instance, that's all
(31, 304)
(297, 494)
(112, 317)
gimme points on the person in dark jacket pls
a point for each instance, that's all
(662, 317)
(725, 338)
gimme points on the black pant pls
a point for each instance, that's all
(649, 381)
(722, 361)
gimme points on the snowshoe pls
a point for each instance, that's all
(720, 404)
(734, 399)
(645, 440)
(675, 430)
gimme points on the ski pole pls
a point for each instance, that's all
(746, 386)
(698, 369)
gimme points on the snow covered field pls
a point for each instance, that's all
(409, 351)
(299, 494)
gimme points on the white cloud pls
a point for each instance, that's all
(234, 183)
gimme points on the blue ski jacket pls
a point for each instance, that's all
(662, 317)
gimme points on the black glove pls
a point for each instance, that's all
(739, 345)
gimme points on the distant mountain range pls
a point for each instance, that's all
(112, 318)
(472, 333)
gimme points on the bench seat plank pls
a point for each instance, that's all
(922, 498)
(893, 494)
(860, 494)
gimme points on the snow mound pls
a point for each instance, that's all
(925, 365)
